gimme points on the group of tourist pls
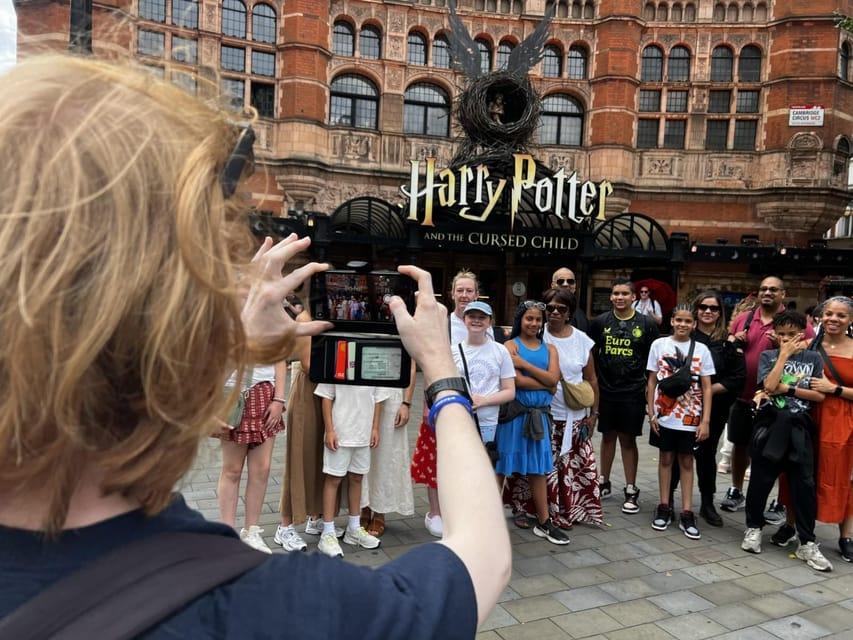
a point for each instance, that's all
(540, 394)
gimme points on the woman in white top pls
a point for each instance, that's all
(252, 440)
(573, 494)
(647, 305)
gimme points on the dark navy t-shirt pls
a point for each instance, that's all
(426, 593)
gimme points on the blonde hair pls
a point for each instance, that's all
(744, 305)
(464, 274)
(119, 313)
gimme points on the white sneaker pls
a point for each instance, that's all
(330, 546)
(724, 466)
(252, 537)
(434, 525)
(360, 538)
(289, 539)
(752, 541)
(811, 555)
(314, 527)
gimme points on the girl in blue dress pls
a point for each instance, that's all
(523, 442)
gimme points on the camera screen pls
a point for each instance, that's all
(359, 296)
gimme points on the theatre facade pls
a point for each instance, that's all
(700, 143)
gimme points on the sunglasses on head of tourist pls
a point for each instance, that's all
(553, 306)
(534, 304)
(241, 157)
(564, 281)
(708, 307)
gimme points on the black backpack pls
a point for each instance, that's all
(131, 589)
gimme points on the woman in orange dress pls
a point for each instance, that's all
(834, 417)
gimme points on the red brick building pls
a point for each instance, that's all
(684, 106)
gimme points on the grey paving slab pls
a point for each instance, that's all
(583, 598)
(750, 633)
(534, 608)
(623, 569)
(665, 562)
(630, 589)
(635, 612)
(582, 577)
(721, 593)
(762, 584)
(814, 595)
(581, 558)
(499, 617)
(679, 603)
(586, 623)
(623, 551)
(831, 617)
(708, 573)
(537, 630)
(748, 565)
(537, 585)
(670, 581)
(798, 575)
(777, 605)
(795, 628)
(693, 626)
(648, 631)
(736, 616)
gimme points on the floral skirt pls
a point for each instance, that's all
(252, 429)
(424, 459)
(573, 493)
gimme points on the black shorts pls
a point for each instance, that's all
(676, 441)
(622, 416)
(740, 424)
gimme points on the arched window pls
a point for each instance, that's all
(441, 52)
(563, 9)
(576, 9)
(649, 12)
(749, 64)
(676, 14)
(369, 42)
(417, 49)
(652, 70)
(485, 55)
(679, 65)
(561, 121)
(233, 18)
(589, 10)
(844, 61)
(426, 111)
(552, 62)
(662, 12)
(690, 13)
(343, 39)
(504, 49)
(722, 61)
(844, 147)
(748, 13)
(185, 13)
(263, 23)
(842, 158)
(354, 102)
(761, 12)
(577, 68)
(732, 13)
(719, 12)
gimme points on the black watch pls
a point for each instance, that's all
(838, 391)
(446, 384)
(792, 391)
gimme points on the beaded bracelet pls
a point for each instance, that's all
(439, 404)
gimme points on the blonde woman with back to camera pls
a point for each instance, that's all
(120, 320)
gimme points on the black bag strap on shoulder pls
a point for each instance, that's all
(828, 362)
(131, 589)
(748, 321)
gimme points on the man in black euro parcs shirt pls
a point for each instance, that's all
(622, 341)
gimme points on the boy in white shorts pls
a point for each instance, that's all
(351, 419)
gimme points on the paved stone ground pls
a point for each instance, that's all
(622, 580)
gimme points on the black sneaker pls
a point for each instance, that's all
(733, 501)
(775, 514)
(687, 523)
(605, 489)
(709, 513)
(784, 535)
(550, 532)
(631, 499)
(845, 546)
(663, 517)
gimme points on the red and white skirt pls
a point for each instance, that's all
(252, 429)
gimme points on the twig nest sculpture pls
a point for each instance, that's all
(499, 110)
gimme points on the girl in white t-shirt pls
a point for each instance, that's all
(573, 493)
(487, 366)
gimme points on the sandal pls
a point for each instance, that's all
(366, 517)
(521, 521)
(377, 525)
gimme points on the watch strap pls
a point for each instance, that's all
(446, 384)
(838, 391)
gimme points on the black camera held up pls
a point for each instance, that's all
(364, 347)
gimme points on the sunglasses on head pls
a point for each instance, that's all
(240, 157)
(564, 281)
(553, 306)
(708, 307)
(533, 304)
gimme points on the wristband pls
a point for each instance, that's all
(281, 400)
(439, 404)
(838, 391)
(407, 403)
(792, 391)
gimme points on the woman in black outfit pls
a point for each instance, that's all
(727, 383)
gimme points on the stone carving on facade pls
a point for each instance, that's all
(557, 161)
(669, 39)
(262, 133)
(700, 100)
(659, 167)
(737, 40)
(394, 78)
(395, 47)
(725, 169)
(336, 7)
(806, 141)
(210, 18)
(330, 198)
(354, 146)
(423, 150)
(208, 53)
(358, 11)
(396, 22)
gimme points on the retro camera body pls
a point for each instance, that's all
(364, 347)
